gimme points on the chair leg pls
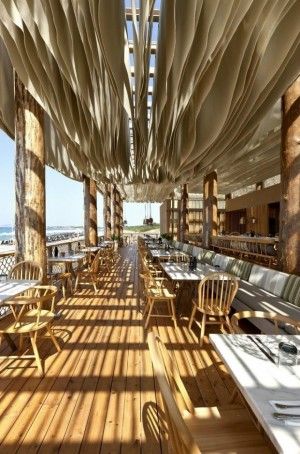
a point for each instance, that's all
(21, 342)
(36, 354)
(76, 282)
(228, 324)
(173, 313)
(53, 338)
(63, 289)
(192, 317)
(151, 304)
(203, 323)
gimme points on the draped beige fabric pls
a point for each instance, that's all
(221, 67)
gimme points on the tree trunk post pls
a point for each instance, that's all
(90, 212)
(30, 219)
(289, 235)
(107, 212)
(210, 208)
(178, 219)
(184, 225)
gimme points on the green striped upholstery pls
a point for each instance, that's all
(291, 290)
(190, 249)
(207, 257)
(240, 269)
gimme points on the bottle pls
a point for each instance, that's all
(56, 251)
(194, 263)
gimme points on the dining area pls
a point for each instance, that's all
(28, 297)
(263, 369)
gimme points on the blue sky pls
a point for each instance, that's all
(64, 197)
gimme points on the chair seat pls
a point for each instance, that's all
(160, 293)
(225, 430)
(211, 308)
(29, 322)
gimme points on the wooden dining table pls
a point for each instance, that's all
(185, 283)
(68, 260)
(263, 383)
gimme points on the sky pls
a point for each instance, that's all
(64, 197)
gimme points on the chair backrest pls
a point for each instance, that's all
(26, 270)
(216, 292)
(94, 268)
(280, 321)
(174, 395)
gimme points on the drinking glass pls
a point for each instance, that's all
(287, 354)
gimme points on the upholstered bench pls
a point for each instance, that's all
(260, 288)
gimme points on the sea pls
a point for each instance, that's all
(53, 233)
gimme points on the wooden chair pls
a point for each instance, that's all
(274, 317)
(29, 317)
(26, 270)
(157, 291)
(215, 295)
(65, 278)
(191, 430)
(90, 275)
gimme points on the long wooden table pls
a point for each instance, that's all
(260, 381)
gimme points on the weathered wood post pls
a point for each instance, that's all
(121, 217)
(30, 220)
(178, 219)
(289, 245)
(210, 208)
(184, 224)
(90, 212)
(115, 212)
(172, 216)
(107, 212)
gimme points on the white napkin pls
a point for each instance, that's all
(289, 411)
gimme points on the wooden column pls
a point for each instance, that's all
(107, 212)
(30, 222)
(210, 208)
(184, 224)
(289, 248)
(172, 216)
(178, 219)
(115, 212)
(90, 212)
(121, 220)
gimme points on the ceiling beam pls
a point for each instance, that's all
(129, 15)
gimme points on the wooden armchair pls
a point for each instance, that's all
(90, 275)
(215, 295)
(204, 429)
(157, 291)
(30, 317)
(274, 317)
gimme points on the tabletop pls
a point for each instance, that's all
(91, 249)
(181, 272)
(260, 381)
(13, 287)
(67, 258)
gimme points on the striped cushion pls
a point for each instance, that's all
(207, 257)
(291, 291)
(190, 249)
(240, 269)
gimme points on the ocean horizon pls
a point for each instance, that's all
(7, 233)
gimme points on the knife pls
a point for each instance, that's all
(263, 349)
(283, 416)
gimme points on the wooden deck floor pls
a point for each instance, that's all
(99, 393)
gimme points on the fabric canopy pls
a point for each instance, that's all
(220, 68)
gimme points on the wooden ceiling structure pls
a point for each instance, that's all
(149, 99)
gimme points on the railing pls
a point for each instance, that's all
(7, 259)
(260, 249)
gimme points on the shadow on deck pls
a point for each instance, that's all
(99, 393)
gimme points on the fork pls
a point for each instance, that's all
(287, 405)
